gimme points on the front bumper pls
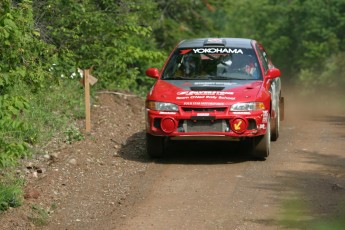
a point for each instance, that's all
(206, 124)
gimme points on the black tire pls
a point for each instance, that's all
(275, 125)
(154, 145)
(262, 144)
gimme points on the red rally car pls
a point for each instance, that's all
(215, 89)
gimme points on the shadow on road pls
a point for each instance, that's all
(318, 196)
(187, 152)
(332, 119)
(313, 197)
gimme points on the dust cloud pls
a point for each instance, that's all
(301, 105)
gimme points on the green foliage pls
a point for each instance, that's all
(38, 216)
(35, 118)
(114, 37)
(10, 193)
(328, 76)
(24, 57)
(12, 129)
(298, 214)
(53, 109)
(184, 19)
(294, 213)
(300, 34)
(43, 42)
(73, 135)
(24, 61)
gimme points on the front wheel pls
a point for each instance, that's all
(154, 145)
(262, 144)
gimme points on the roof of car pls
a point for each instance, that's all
(226, 42)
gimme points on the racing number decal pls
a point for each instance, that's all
(239, 125)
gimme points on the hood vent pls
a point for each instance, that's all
(207, 88)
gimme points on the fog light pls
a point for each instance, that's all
(168, 125)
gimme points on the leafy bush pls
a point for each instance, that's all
(12, 129)
(73, 135)
(114, 37)
(10, 193)
(53, 109)
(24, 58)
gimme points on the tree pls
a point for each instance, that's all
(183, 19)
(113, 36)
(24, 61)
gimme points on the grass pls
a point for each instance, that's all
(54, 109)
(38, 216)
(52, 113)
(73, 134)
(297, 214)
(10, 192)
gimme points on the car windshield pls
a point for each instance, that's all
(213, 64)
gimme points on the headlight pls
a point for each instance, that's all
(161, 106)
(248, 106)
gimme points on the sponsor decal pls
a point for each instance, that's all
(265, 116)
(242, 113)
(203, 103)
(203, 114)
(212, 51)
(217, 51)
(204, 93)
(226, 98)
(185, 51)
(212, 95)
(171, 113)
(262, 126)
(182, 98)
(206, 97)
(237, 126)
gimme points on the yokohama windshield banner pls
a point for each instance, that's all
(212, 51)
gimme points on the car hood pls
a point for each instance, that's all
(196, 92)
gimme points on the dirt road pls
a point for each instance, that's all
(107, 181)
(214, 186)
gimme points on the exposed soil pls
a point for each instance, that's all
(107, 182)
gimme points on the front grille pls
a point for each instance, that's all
(205, 126)
(221, 109)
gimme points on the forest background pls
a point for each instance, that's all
(43, 42)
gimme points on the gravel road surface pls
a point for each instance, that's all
(107, 182)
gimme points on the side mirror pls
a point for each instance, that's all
(152, 72)
(273, 73)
